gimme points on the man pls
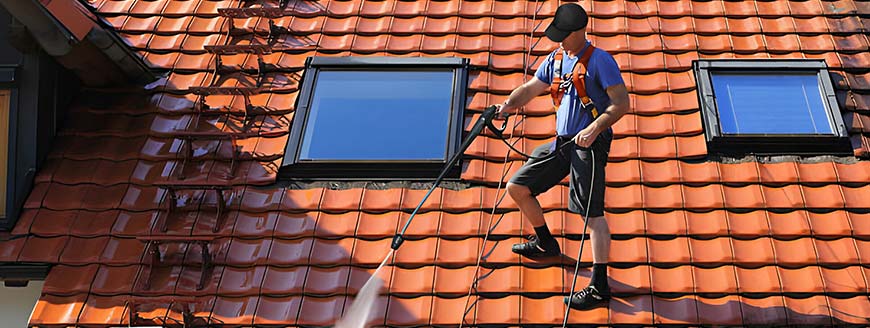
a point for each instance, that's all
(586, 126)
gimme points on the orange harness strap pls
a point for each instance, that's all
(578, 79)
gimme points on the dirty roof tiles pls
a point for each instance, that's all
(695, 241)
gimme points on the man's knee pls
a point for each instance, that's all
(518, 191)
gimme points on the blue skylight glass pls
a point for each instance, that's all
(782, 103)
(378, 115)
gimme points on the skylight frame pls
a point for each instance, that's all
(294, 167)
(794, 143)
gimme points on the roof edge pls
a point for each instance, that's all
(69, 32)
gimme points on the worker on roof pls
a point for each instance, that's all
(589, 95)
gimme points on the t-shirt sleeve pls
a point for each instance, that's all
(545, 70)
(608, 72)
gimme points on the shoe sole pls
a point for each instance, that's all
(567, 301)
(537, 256)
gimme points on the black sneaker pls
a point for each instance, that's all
(587, 298)
(533, 249)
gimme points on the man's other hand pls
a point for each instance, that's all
(586, 136)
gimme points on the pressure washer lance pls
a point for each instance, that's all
(485, 120)
(359, 311)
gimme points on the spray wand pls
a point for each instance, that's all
(485, 120)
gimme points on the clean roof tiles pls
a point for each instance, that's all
(695, 241)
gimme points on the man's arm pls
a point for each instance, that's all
(619, 105)
(522, 95)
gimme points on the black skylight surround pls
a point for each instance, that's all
(770, 106)
(379, 117)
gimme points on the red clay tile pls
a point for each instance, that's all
(743, 197)
(80, 251)
(720, 311)
(305, 199)
(739, 173)
(852, 310)
(795, 253)
(748, 225)
(855, 173)
(632, 250)
(763, 311)
(632, 310)
(753, 253)
(241, 281)
(702, 173)
(860, 225)
(670, 223)
(783, 43)
(830, 196)
(543, 311)
(458, 252)
(460, 225)
(64, 280)
(663, 197)
(788, 196)
(830, 225)
(629, 223)
(782, 172)
(624, 148)
(412, 281)
(803, 280)
(707, 197)
(331, 252)
(277, 311)
(326, 281)
(661, 148)
(849, 279)
(114, 280)
(57, 310)
(53, 223)
(813, 310)
(103, 310)
(711, 252)
(821, 172)
(505, 310)
(672, 280)
(763, 280)
(836, 252)
(39, 249)
(855, 197)
(334, 226)
(294, 225)
(707, 224)
(406, 312)
(681, 310)
(373, 226)
(291, 252)
(423, 225)
(446, 311)
(417, 252)
(450, 281)
(234, 311)
(669, 251)
(284, 281)
(714, 43)
(788, 225)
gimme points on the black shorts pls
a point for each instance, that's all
(541, 175)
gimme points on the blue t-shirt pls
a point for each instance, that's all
(601, 73)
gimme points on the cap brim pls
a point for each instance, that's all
(556, 34)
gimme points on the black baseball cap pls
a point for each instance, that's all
(569, 17)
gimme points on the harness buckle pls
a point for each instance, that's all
(586, 102)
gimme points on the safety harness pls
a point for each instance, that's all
(577, 77)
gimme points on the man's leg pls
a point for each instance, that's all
(533, 212)
(600, 236)
(537, 175)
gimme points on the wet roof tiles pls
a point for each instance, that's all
(695, 241)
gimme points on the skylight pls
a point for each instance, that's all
(769, 106)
